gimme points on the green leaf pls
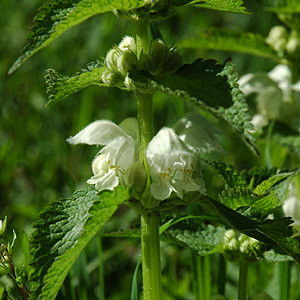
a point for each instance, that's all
(211, 86)
(235, 6)
(260, 189)
(201, 80)
(273, 232)
(59, 86)
(134, 285)
(65, 228)
(229, 40)
(196, 236)
(273, 257)
(57, 16)
(246, 178)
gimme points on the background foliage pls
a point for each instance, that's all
(37, 165)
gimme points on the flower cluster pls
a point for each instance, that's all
(240, 248)
(284, 43)
(276, 97)
(160, 61)
(172, 156)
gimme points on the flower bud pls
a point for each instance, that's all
(230, 234)
(277, 38)
(109, 78)
(233, 245)
(262, 296)
(147, 63)
(245, 247)
(127, 43)
(111, 59)
(160, 52)
(136, 177)
(126, 61)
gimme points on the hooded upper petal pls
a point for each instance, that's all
(98, 133)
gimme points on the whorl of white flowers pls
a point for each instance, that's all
(240, 247)
(172, 155)
(160, 61)
(283, 42)
(277, 98)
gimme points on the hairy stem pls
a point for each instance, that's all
(149, 221)
(151, 256)
(145, 122)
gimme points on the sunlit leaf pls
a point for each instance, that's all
(57, 16)
(224, 5)
(64, 229)
(59, 86)
(229, 40)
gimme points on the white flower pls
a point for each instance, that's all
(291, 208)
(277, 98)
(173, 156)
(172, 166)
(115, 158)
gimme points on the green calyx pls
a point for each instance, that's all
(159, 62)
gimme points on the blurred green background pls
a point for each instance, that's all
(38, 166)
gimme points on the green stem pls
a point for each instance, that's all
(149, 221)
(206, 276)
(151, 256)
(142, 38)
(221, 275)
(197, 276)
(284, 277)
(145, 123)
(243, 277)
(201, 276)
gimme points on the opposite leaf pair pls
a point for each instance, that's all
(172, 155)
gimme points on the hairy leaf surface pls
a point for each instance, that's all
(228, 40)
(224, 5)
(57, 16)
(260, 189)
(59, 86)
(196, 236)
(64, 229)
